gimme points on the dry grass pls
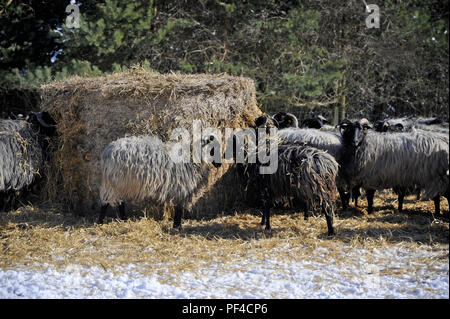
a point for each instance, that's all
(30, 237)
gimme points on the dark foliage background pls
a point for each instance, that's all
(305, 56)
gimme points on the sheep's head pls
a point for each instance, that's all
(315, 122)
(285, 120)
(381, 126)
(388, 125)
(353, 133)
(266, 121)
(397, 127)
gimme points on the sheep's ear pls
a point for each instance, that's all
(261, 121)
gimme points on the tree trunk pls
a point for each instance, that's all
(342, 105)
(336, 114)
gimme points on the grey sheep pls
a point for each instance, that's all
(22, 154)
(403, 160)
(408, 124)
(141, 168)
(329, 141)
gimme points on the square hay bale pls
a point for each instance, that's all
(92, 112)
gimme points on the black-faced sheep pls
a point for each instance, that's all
(144, 168)
(304, 172)
(329, 141)
(23, 146)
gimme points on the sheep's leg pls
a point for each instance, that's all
(370, 193)
(177, 217)
(7, 201)
(345, 198)
(122, 214)
(291, 202)
(267, 202)
(2, 202)
(437, 205)
(263, 218)
(355, 194)
(329, 214)
(101, 217)
(401, 197)
(306, 213)
(11, 200)
(266, 216)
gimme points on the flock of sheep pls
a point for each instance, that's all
(408, 155)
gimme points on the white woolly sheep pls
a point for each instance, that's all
(143, 168)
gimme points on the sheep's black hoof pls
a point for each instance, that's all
(331, 233)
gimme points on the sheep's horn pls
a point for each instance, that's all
(41, 120)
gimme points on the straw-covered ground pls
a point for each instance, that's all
(33, 237)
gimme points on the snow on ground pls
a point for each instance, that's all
(391, 273)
